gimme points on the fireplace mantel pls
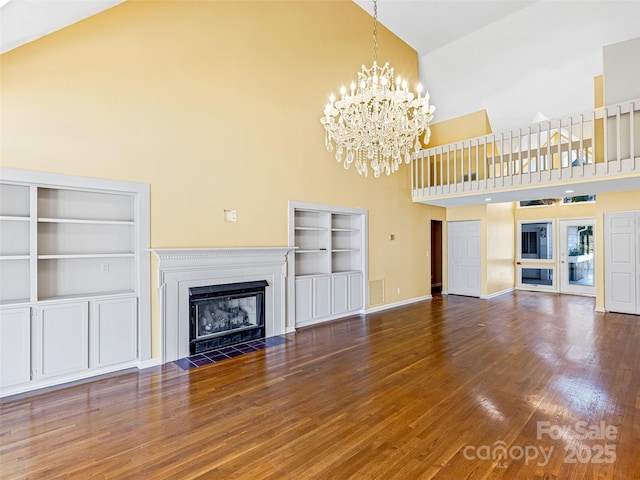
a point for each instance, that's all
(182, 268)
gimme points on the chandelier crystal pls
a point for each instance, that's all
(378, 123)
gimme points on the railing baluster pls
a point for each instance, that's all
(422, 171)
(502, 157)
(570, 152)
(594, 141)
(529, 152)
(538, 158)
(606, 139)
(520, 154)
(632, 146)
(493, 160)
(414, 172)
(455, 169)
(469, 165)
(618, 135)
(486, 164)
(477, 164)
(510, 165)
(581, 155)
(442, 170)
(448, 169)
(549, 156)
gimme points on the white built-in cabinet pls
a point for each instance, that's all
(330, 261)
(73, 278)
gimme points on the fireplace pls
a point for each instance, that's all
(226, 314)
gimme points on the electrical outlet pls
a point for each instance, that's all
(104, 267)
(398, 290)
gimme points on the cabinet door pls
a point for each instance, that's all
(15, 346)
(114, 331)
(304, 300)
(63, 338)
(355, 291)
(339, 293)
(321, 296)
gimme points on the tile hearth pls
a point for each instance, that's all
(227, 352)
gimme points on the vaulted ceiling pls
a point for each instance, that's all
(520, 60)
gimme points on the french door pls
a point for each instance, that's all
(576, 256)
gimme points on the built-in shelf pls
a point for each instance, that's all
(329, 263)
(86, 255)
(103, 295)
(74, 282)
(84, 221)
(313, 229)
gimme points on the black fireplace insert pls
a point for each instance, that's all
(226, 314)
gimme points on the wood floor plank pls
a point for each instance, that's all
(426, 391)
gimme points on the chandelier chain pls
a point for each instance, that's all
(375, 31)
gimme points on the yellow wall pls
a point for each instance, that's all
(497, 231)
(460, 128)
(500, 248)
(216, 105)
(609, 202)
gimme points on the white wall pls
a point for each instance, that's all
(622, 71)
(540, 59)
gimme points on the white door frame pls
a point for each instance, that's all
(564, 260)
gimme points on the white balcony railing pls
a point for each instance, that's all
(603, 143)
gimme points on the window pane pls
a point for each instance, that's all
(579, 199)
(537, 276)
(580, 246)
(536, 241)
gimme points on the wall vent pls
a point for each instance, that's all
(376, 292)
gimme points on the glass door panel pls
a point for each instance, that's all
(577, 261)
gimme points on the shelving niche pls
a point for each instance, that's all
(73, 261)
(330, 261)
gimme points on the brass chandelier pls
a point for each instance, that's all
(379, 121)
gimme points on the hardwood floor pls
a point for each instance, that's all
(431, 390)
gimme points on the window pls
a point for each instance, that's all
(578, 199)
(536, 241)
(538, 202)
(536, 276)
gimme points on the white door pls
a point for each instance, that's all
(463, 241)
(622, 262)
(576, 256)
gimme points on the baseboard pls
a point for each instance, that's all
(493, 295)
(398, 304)
(152, 362)
(600, 310)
